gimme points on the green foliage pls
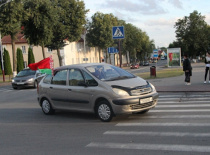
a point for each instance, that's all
(41, 17)
(30, 56)
(191, 34)
(69, 24)
(20, 62)
(7, 63)
(100, 31)
(11, 15)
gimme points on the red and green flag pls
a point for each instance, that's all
(44, 66)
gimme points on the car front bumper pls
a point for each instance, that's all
(122, 106)
(23, 84)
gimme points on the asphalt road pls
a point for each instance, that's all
(178, 125)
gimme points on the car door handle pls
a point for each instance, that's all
(51, 87)
(69, 89)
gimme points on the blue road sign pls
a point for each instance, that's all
(112, 50)
(118, 32)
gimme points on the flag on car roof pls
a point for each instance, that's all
(44, 66)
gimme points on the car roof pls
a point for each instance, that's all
(81, 65)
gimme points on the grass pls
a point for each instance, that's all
(7, 78)
(165, 73)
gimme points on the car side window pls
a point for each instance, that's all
(75, 77)
(47, 79)
(60, 77)
(90, 81)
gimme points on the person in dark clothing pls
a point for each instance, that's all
(207, 62)
(187, 69)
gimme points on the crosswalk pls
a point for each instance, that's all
(179, 123)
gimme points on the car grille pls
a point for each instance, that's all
(141, 106)
(20, 80)
(141, 91)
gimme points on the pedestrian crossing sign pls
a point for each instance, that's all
(118, 32)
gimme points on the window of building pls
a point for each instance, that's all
(49, 50)
(24, 49)
(25, 64)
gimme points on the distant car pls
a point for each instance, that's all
(98, 88)
(162, 58)
(134, 66)
(27, 78)
(146, 63)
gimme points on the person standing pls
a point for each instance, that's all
(187, 69)
(207, 62)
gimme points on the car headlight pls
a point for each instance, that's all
(30, 80)
(13, 80)
(120, 92)
(153, 87)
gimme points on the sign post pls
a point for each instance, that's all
(118, 33)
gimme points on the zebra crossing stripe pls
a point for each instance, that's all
(172, 116)
(157, 147)
(182, 106)
(166, 124)
(176, 134)
(181, 110)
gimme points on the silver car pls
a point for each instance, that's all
(27, 78)
(99, 88)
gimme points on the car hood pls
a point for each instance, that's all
(129, 83)
(24, 77)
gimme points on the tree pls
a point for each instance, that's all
(30, 56)
(100, 31)
(69, 25)
(41, 18)
(11, 15)
(7, 63)
(191, 33)
(20, 62)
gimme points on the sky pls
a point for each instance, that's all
(156, 17)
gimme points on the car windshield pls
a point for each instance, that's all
(26, 72)
(109, 73)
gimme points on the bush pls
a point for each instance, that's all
(7, 63)
(20, 62)
(30, 56)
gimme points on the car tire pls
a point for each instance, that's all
(143, 112)
(14, 87)
(35, 84)
(47, 107)
(104, 111)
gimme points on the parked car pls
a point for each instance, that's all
(99, 88)
(26, 78)
(146, 63)
(134, 66)
(162, 58)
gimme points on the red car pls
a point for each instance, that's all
(134, 66)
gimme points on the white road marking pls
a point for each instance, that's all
(181, 110)
(143, 146)
(173, 116)
(166, 124)
(176, 134)
(183, 106)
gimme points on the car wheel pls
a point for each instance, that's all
(104, 111)
(142, 112)
(35, 84)
(14, 87)
(47, 107)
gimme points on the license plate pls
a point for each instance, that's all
(20, 83)
(145, 100)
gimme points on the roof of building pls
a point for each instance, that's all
(20, 39)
